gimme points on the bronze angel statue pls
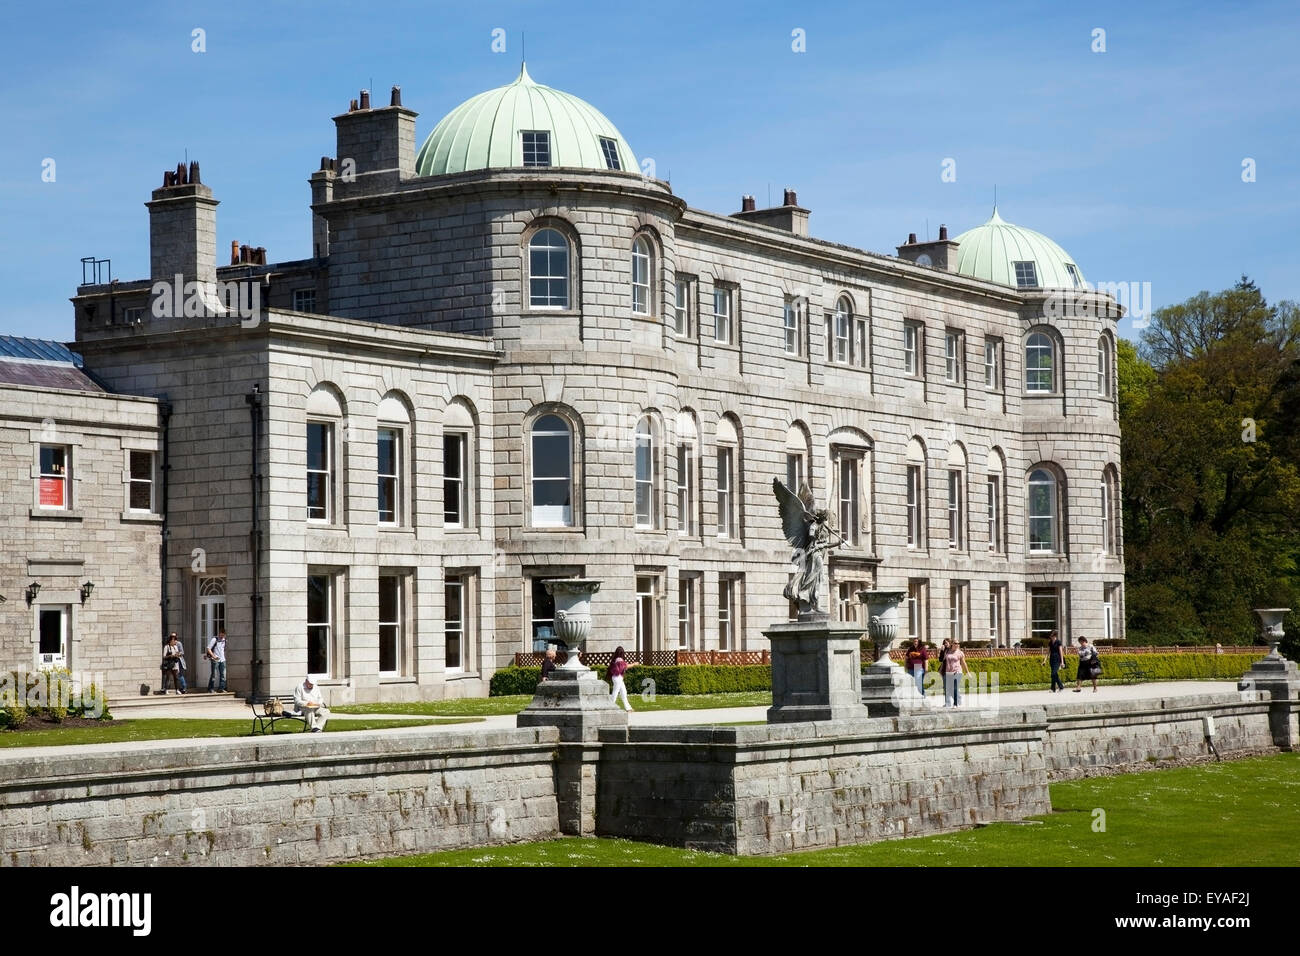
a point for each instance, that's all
(807, 531)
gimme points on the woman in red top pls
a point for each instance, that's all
(916, 658)
(617, 668)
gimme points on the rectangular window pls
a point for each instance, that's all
(1073, 271)
(915, 508)
(52, 490)
(647, 613)
(133, 316)
(726, 502)
(320, 624)
(1026, 275)
(997, 614)
(1044, 609)
(142, 484)
(304, 300)
(54, 624)
(992, 376)
(686, 488)
(912, 360)
(646, 480)
(917, 596)
(390, 444)
(850, 467)
(952, 356)
(843, 337)
(609, 149)
(727, 613)
(794, 471)
(791, 324)
(536, 147)
(722, 316)
(455, 620)
(681, 309)
(956, 518)
(860, 342)
(687, 596)
(993, 485)
(455, 489)
(957, 611)
(391, 620)
(541, 614)
(320, 471)
(1110, 596)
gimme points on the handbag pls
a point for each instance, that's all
(273, 707)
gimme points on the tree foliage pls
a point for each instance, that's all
(1210, 412)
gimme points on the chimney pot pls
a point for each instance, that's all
(181, 178)
(261, 255)
(911, 238)
(397, 97)
(352, 106)
(746, 203)
(169, 178)
(943, 233)
(790, 198)
(194, 171)
(365, 99)
(234, 252)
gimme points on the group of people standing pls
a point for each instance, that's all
(173, 663)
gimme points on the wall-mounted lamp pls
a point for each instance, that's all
(33, 589)
(86, 590)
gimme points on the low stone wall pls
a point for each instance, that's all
(1115, 736)
(306, 799)
(769, 789)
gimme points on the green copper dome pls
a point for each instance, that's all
(999, 252)
(499, 129)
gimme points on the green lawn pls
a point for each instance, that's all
(489, 706)
(1243, 812)
(169, 728)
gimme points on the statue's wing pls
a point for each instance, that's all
(794, 516)
(806, 496)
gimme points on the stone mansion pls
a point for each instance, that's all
(512, 356)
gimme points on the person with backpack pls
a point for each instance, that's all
(617, 668)
(1089, 666)
(215, 652)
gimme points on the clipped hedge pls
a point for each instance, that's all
(1015, 671)
(681, 679)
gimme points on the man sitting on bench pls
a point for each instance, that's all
(306, 697)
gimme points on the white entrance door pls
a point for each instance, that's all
(53, 648)
(211, 619)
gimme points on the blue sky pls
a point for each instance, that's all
(1131, 159)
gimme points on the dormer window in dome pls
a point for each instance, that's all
(1073, 271)
(1026, 274)
(609, 149)
(537, 147)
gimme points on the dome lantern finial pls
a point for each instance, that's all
(523, 77)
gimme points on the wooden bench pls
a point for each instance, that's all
(1131, 671)
(264, 720)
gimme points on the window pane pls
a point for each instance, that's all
(550, 456)
(317, 446)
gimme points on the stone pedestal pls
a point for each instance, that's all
(815, 672)
(887, 689)
(580, 707)
(1279, 679)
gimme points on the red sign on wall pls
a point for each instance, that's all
(51, 492)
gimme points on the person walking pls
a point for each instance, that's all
(916, 660)
(954, 668)
(617, 668)
(173, 664)
(215, 652)
(1089, 666)
(1055, 658)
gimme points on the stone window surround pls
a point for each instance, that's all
(54, 597)
(844, 447)
(657, 523)
(690, 583)
(1061, 551)
(73, 442)
(577, 524)
(567, 230)
(732, 343)
(338, 646)
(659, 575)
(471, 624)
(736, 485)
(654, 257)
(1057, 358)
(999, 368)
(1062, 589)
(860, 332)
(152, 446)
(918, 328)
(692, 305)
(407, 621)
(735, 610)
(958, 379)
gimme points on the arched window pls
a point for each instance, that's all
(1044, 512)
(458, 470)
(687, 471)
(552, 478)
(956, 498)
(392, 434)
(728, 477)
(641, 262)
(1040, 364)
(647, 475)
(1109, 512)
(1103, 367)
(993, 498)
(915, 494)
(548, 270)
(324, 477)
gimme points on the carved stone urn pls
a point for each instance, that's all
(1270, 625)
(882, 619)
(572, 616)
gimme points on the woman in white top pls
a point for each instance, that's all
(1089, 666)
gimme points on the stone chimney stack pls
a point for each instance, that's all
(322, 193)
(376, 147)
(183, 228)
(789, 216)
(940, 254)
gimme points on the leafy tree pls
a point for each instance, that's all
(1210, 413)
